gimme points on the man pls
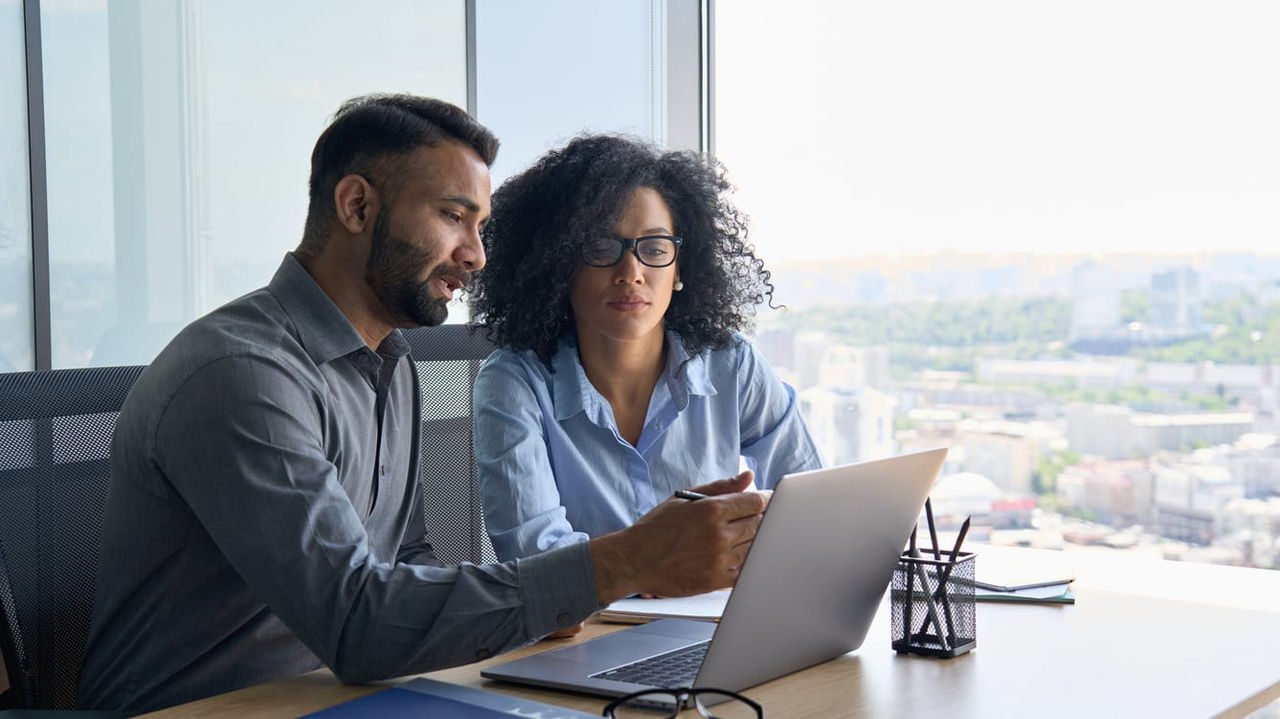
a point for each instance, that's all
(264, 515)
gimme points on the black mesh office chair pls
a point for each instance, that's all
(447, 358)
(55, 435)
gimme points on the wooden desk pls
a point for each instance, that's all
(1114, 653)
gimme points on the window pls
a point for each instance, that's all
(17, 341)
(1042, 235)
(179, 137)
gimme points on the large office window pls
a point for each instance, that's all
(1043, 235)
(177, 134)
(547, 71)
(17, 343)
(179, 138)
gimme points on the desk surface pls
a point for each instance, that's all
(1119, 651)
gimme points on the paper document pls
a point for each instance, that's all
(1050, 594)
(634, 610)
(1008, 568)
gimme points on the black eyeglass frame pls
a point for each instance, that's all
(682, 697)
(634, 246)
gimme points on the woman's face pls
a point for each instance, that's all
(626, 302)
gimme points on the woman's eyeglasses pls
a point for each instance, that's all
(711, 703)
(651, 250)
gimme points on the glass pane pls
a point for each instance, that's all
(1044, 238)
(179, 138)
(17, 341)
(549, 70)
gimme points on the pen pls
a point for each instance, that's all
(689, 494)
(933, 531)
(946, 576)
(911, 586)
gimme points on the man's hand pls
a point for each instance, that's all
(681, 547)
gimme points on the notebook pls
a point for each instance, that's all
(807, 592)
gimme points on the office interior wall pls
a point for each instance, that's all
(17, 342)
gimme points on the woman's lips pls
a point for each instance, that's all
(629, 304)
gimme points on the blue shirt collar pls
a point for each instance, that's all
(686, 375)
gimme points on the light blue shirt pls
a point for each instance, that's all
(554, 469)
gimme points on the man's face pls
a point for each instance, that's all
(426, 240)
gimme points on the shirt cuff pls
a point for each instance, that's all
(557, 588)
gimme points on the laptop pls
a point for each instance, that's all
(807, 592)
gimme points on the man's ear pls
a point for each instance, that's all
(356, 202)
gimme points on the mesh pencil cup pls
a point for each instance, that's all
(932, 605)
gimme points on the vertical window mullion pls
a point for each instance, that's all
(39, 187)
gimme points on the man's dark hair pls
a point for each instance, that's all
(542, 217)
(369, 135)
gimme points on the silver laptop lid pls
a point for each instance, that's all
(819, 566)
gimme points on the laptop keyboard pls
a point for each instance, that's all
(674, 669)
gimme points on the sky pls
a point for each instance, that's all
(1001, 125)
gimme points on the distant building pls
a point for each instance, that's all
(1095, 301)
(1085, 374)
(1175, 299)
(1115, 432)
(1254, 460)
(1005, 452)
(956, 496)
(1256, 522)
(809, 349)
(849, 424)
(844, 366)
(1188, 498)
(778, 347)
(1257, 384)
(1117, 493)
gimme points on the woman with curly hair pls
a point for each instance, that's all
(618, 278)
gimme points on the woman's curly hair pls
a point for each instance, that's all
(543, 216)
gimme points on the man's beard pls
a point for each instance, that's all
(392, 272)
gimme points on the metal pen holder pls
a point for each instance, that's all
(932, 605)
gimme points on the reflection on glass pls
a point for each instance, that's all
(17, 342)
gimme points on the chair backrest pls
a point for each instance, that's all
(55, 436)
(447, 358)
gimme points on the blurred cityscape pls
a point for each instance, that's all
(1124, 402)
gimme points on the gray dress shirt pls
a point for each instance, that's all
(262, 521)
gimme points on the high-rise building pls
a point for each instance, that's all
(1095, 301)
(1175, 299)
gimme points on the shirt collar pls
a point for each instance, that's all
(684, 374)
(324, 332)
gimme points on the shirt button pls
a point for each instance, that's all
(563, 619)
(483, 654)
(383, 470)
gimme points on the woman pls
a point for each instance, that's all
(617, 279)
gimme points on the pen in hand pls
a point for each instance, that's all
(689, 494)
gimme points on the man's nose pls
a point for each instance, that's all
(470, 253)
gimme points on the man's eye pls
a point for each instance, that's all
(453, 216)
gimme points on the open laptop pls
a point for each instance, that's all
(807, 592)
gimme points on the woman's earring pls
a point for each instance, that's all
(679, 285)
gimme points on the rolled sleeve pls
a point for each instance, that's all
(775, 440)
